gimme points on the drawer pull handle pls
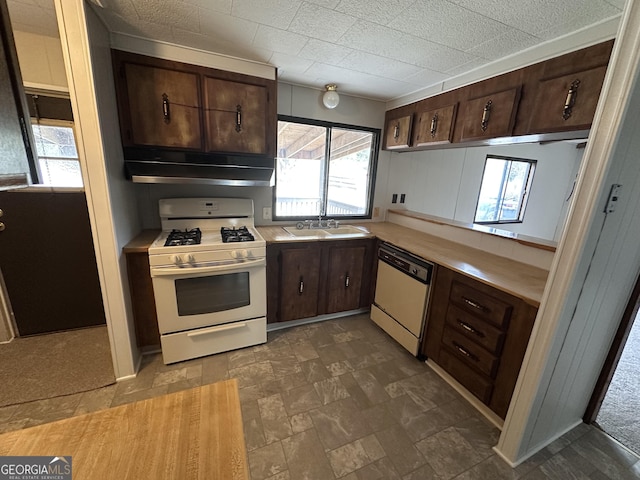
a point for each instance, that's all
(571, 99)
(346, 281)
(473, 304)
(486, 114)
(470, 329)
(238, 118)
(434, 126)
(301, 286)
(396, 131)
(166, 109)
(464, 351)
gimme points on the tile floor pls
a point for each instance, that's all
(340, 399)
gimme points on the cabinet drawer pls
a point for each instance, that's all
(475, 329)
(469, 352)
(481, 305)
(472, 381)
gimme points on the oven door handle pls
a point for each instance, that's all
(207, 268)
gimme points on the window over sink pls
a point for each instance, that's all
(324, 169)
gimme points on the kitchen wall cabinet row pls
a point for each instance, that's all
(545, 99)
(169, 104)
(307, 279)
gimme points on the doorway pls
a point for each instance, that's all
(615, 403)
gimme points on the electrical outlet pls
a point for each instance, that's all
(394, 198)
(266, 213)
(376, 212)
(402, 197)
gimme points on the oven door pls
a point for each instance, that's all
(209, 294)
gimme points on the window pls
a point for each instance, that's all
(58, 162)
(324, 169)
(505, 188)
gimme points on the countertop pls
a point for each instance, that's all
(141, 242)
(521, 280)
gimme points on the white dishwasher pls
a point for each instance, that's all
(402, 295)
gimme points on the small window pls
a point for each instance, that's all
(504, 191)
(58, 162)
(324, 169)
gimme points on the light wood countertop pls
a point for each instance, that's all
(518, 279)
(141, 242)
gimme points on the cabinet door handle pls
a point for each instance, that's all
(301, 286)
(473, 304)
(486, 114)
(570, 101)
(470, 329)
(166, 109)
(396, 131)
(346, 281)
(464, 351)
(434, 125)
(238, 118)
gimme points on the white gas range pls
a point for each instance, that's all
(208, 268)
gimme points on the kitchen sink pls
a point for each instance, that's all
(313, 232)
(345, 230)
(324, 232)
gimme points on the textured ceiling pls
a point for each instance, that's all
(380, 49)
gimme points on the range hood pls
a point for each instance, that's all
(144, 165)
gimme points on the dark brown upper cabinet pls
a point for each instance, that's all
(398, 133)
(551, 100)
(163, 107)
(567, 102)
(490, 116)
(162, 103)
(235, 116)
(435, 127)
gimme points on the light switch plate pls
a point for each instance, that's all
(266, 213)
(614, 196)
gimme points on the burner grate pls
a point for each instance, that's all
(184, 237)
(240, 234)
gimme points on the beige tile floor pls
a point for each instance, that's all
(339, 399)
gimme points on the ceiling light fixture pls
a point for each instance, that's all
(330, 99)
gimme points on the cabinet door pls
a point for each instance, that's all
(164, 107)
(235, 116)
(398, 133)
(299, 283)
(568, 102)
(435, 127)
(491, 116)
(344, 278)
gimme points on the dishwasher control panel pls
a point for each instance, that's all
(410, 264)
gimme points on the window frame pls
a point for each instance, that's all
(54, 122)
(373, 165)
(524, 195)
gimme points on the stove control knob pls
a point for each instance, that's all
(191, 259)
(244, 254)
(234, 254)
(177, 259)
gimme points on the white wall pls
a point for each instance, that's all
(446, 183)
(41, 61)
(293, 101)
(110, 198)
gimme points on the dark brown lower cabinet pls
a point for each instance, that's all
(306, 279)
(478, 334)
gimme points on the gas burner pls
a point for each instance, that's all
(183, 237)
(240, 234)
